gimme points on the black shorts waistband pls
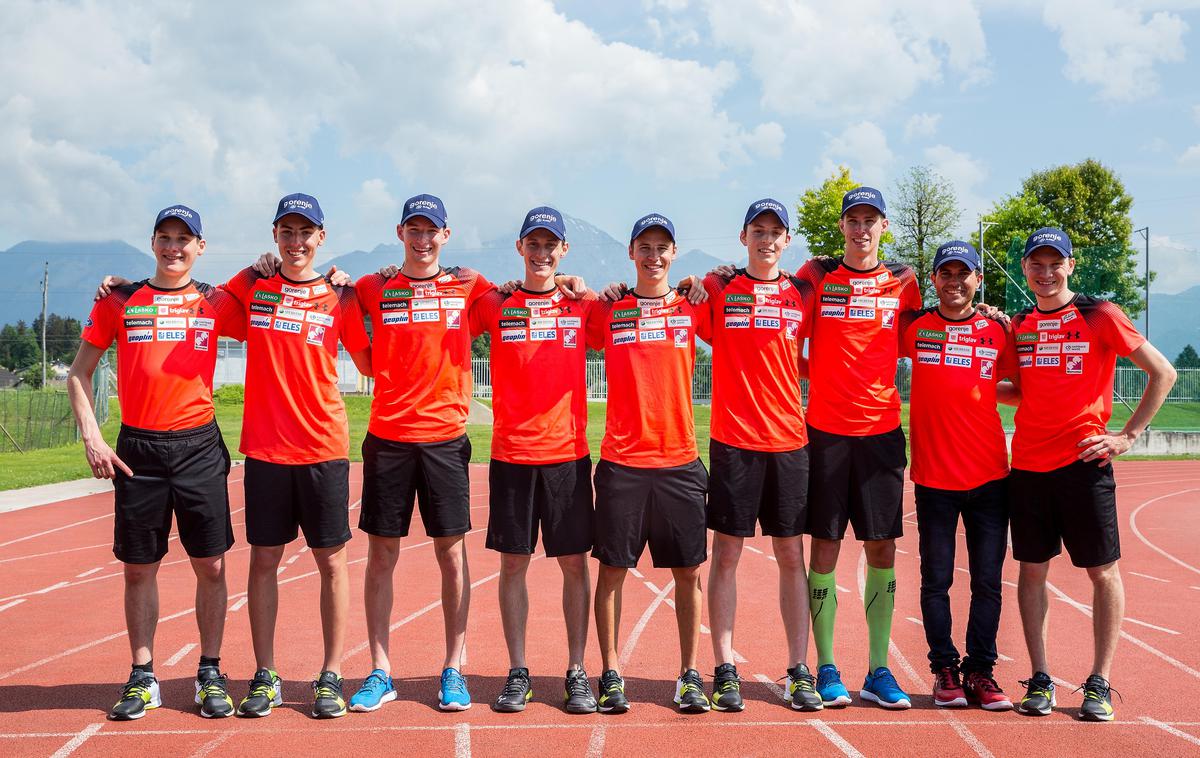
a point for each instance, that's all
(174, 434)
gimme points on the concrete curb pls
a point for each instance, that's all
(29, 497)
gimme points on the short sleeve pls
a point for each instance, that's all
(480, 286)
(908, 320)
(231, 317)
(352, 331)
(368, 290)
(100, 328)
(1116, 330)
(704, 320)
(1007, 364)
(241, 283)
(484, 313)
(597, 324)
(910, 293)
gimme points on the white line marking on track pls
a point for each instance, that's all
(1008, 583)
(179, 654)
(1126, 635)
(1195, 587)
(652, 586)
(1147, 576)
(55, 552)
(12, 604)
(239, 604)
(1130, 619)
(462, 741)
(595, 747)
(1133, 525)
(640, 626)
(838, 740)
(772, 686)
(89, 572)
(840, 588)
(637, 573)
(975, 744)
(1003, 657)
(753, 549)
(75, 742)
(55, 529)
(902, 552)
(916, 621)
(1170, 729)
(208, 747)
(963, 570)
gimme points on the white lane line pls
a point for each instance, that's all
(1170, 729)
(55, 529)
(208, 747)
(12, 604)
(1007, 583)
(753, 549)
(1133, 525)
(1147, 576)
(772, 558)
(636, 573)
(1195, 587)
(1003, 657)
(916, 621)
(652, 586)
(89, 572)
(293, 559)
(640, 626)
(55, 552)
(239, 604)
(963, 570)
(1131, 620)
(974, 742)
(840, 588)
(462, 741)
(902, 552)
(772, 685)
(838, 741)
(74, 743)
(595, 747)
(1126, 635)
(179, 654)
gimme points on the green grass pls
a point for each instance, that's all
(64, 463)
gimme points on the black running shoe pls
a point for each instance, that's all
(140, 694)
(577, 693)
(612, 693)
(1039, 695)
(212, 694)
(1097, 699)
(689, 693)
(518, 691)
(727, 689)
(266, 692)
(802, 689)
(328, 702)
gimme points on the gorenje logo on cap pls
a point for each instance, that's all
(425, 205)
(956, 249)
(651, 220)
(767, 206)
(177, 211)
(1047, 237)
(298, 203)
(861, 195)
(543, 218)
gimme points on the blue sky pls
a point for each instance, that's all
(109, 111)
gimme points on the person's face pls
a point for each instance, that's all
(765, 238)
(542, 251)
(175, 247)
(298, 239)
(862, 226)
(652, 253)
(955, 284)
(1047, 271)
(422, 239)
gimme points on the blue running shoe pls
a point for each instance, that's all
(376, 690)
(453, 695)
(829, 686)
(881, 687)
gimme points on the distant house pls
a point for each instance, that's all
(8, 379)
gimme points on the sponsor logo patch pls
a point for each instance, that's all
(860, 313)
(267, 297)
(320, 289)
(171, 335)
(572, 322)
(676, 320)
(137, 323)
(766, 289)
(793, 329)
(168, 299)
(397, 317)
(1069, 316)
(653, 335)
(393, 294)
(453, 319)
(955, 349)
(766, 323)
(419, 316)
(454, 303)
(833, 311)
(1046, 348)
(1049, 324)
(737, 298)
(202, 323)
(958, 360)
(838, 288)
(569, 338)
(1024, 361)
(324, 319)
(1074, 364)
(766, 310)
(931, 334)
(887, 319)
(986, 368)
(515, 312)
(141, 310)
(295, 314)
(140, 335)
(738, 310)
(624, 338)
(1076, 348)
(260, 322)
(863, 301)
(627, 313)
(260, 308)
(681, 338)
(986, 352)
(1047, 360)
(737, 322)
(1027, 337)
(316, 334)
(929, 359)
(652, 323)
(200, 340)
(288, 289)
(292, 327)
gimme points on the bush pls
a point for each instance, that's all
(230, 394)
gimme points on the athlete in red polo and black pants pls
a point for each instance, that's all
(959, 467)
(1062, 491)
(170, 458)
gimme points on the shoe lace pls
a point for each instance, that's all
(887, 679)
(374, 683)
(946, 678)
(1096, 688)
(804, 682)
(516, 684)
(577, 684)
(983, 682)
(327, 689)
(1036, 687)
(138, 688)
(452, 681)
(693, 683)
(827, 675)
(261, 687)
(217, 686)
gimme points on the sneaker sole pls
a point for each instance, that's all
(695, 708)
(508, 708)
(613, 708)
(453, 706)
(134, 717)
(728, 708)
(958, 702)
(387, 698)
(1096, 717)
(579, 709)
(841, 701)
(224, 715)
(1004, 705)
(334, 715)
(810, 707)
(899, 705)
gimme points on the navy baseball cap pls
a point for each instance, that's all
(184, 214)
(302, 205)
(1049, 236)
(544, 217)
(864, 196)
(957, 250)
(429, 206)
(766, 205)
(650, 221)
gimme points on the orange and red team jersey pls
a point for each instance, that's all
(421, 352)
(166, 349)
(1066, 359)
(539, 373)
(649, 350)
(955, 430)
(854, 343)
(758, 329)
(294, 410)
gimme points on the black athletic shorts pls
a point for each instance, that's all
(435, 474)
(282, 498)
(660, 506)
(750, 485)
(1075, 505)
(556, 495)
(856, 480)
(182, 472)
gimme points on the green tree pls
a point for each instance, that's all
(19, 347)
(62, 336)
(1087, 201)
(1187, 358)
(923, 212)
(481, 346)
(818, 211)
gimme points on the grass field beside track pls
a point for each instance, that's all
(65, 463)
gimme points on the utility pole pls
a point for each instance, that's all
(983, 226)
(45, 290)
(1145, 232)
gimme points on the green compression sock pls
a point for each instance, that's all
(879, 599)
(822, 605)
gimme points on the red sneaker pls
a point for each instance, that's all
(947, 692)
(983, 691)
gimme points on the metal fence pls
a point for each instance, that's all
(32, 419)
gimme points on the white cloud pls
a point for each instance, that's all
(1115, 47)
(1190, 157)
(863, 148)
(509, 98)
(966, 174)
(921, 126)
(858, 59)
(1174, 264)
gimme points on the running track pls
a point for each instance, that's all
(64, 652)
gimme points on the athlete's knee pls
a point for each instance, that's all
(1033, 573)
(789, 554)
(611, 576)
(209, 570)
(1108, 574)
(265, 559)
(726, 552)
(140, 573)
(824, 555)
(573, 566)
(513, 564)
(880, 553)
(382, 553)
(686, 576)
